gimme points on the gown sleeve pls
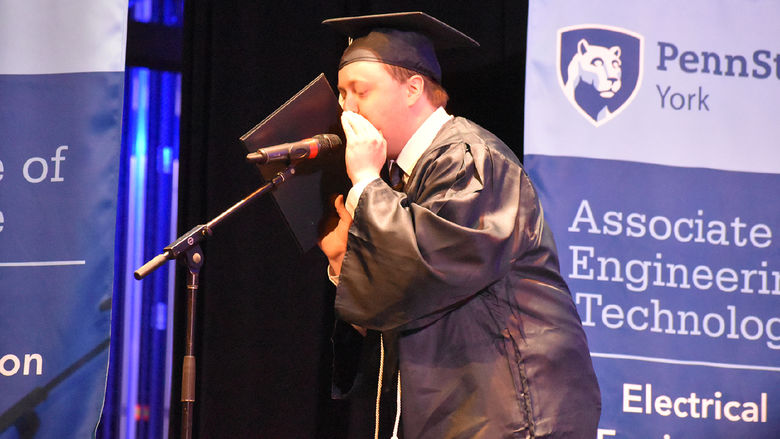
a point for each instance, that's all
(467, 212)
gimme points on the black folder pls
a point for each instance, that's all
(303, 199)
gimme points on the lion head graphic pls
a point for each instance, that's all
(592, 73)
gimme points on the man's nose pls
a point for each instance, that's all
(348, 103)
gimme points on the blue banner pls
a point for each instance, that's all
(650, 133)
(60, 122)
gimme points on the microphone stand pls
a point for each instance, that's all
(189, 246)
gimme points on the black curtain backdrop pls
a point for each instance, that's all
(265, 309)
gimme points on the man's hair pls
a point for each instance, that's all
(435, 93)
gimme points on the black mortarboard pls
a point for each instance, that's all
(405, 39)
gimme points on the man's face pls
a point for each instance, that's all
(366, 88)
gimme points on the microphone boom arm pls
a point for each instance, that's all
(198, 233)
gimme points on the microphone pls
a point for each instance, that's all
(302, 149)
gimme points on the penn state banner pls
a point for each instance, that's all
(651, 133)
(61, 92)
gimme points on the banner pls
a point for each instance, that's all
(651, 134)
(61, 92)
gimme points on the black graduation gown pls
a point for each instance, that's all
(462, 269)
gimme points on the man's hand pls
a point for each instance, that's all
(366, 149)
(333, 238)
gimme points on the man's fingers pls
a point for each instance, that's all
(341, 209)
(360, 124)
(338, 201)
(346, 123)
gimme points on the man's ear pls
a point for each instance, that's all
(415, 88)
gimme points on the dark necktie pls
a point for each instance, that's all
(396, 177)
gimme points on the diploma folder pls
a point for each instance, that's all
(303, 199)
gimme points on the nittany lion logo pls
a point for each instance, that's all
(600, 69)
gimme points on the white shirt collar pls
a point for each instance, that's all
(421, 140)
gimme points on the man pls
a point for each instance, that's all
(457, 268)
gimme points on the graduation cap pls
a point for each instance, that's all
(405, 39)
